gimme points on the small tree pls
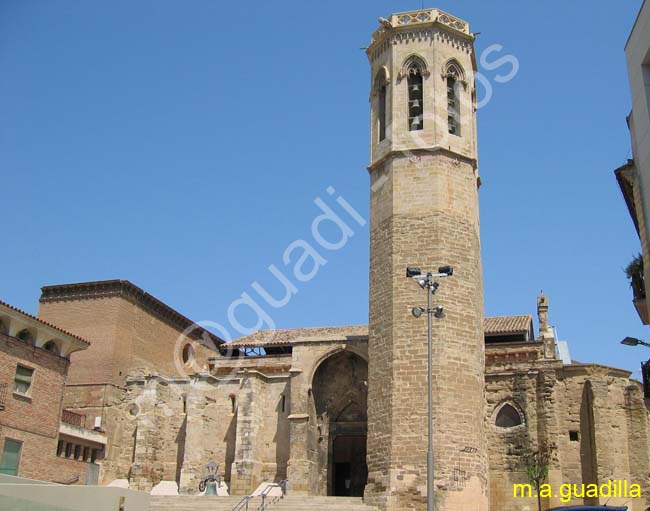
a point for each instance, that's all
(536, 464)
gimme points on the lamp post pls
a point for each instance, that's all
(632, 341)
(426, 281)
(645, 366)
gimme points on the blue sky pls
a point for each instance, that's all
(181, 145)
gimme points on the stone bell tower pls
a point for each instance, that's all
(424, 212)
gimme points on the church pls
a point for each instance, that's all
(342, 410)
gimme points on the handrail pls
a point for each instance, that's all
(283, 487)
(240, 504)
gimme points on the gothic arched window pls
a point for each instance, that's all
(381, 83)
(415, 70)
(454, 76)
(508, 417)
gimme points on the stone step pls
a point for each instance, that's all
(288, 503)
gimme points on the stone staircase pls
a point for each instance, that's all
(288, 503)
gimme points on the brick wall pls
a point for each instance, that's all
(34, 420)
(125, 339)
(94, 319)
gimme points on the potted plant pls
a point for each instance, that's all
(635, 275)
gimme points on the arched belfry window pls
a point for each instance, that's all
(416, 100)
(415, 70)
(380, 86)
(454, 76)
(508, 417)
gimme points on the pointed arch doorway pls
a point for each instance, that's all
(340, 389)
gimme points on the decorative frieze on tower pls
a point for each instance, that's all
(424, 213)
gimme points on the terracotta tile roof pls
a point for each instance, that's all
(34, 318)
(493, 326)
(507, 324)
(288, 336)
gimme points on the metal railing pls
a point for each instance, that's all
(3, 395)
(74, 419)
(243, 504)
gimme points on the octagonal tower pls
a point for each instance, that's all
(424, 212)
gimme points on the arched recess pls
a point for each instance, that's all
(27, 335)
(454, 75)
(507, 415)
(588, 453)
(340, 398)
(413, 64)
(382, 78)
(329, 354)
(380, 99)
(415, 70)
(52, 346)
(452, 68)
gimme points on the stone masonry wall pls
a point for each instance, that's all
(424, 213)
(169, 429)
(210, 433)
(433, 220)
(594, 415)
(306, 445)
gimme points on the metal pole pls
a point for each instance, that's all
(430, 390)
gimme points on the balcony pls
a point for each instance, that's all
(73, 419)
(3, 395)
(73, 428)
(636, 276)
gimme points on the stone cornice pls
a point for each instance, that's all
(510, 372)
(418, 152)
(594, 370)
(406, 35)
(422, 24)
(131, 292)
(266, 377)
(167, 380)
